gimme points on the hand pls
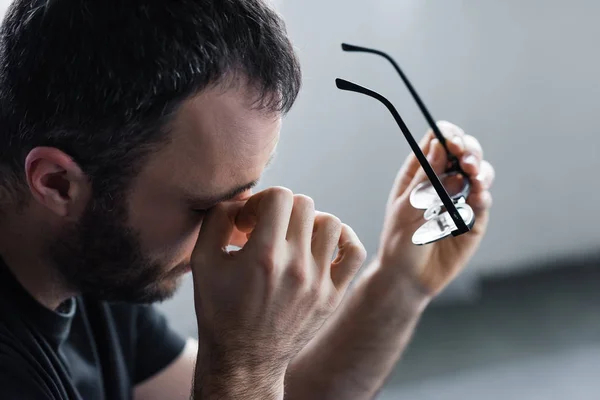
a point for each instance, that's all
(432, 267)
(259, 306)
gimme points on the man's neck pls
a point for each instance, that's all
(19, 249)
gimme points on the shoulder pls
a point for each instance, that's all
(151, 340)
(22, 374)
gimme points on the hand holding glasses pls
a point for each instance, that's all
(443, 198)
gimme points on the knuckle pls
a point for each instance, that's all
(279, 197)
(353, 247)
(449, 129)
(304, 202)
(267, 260)
(473, 145)
(488, 169)
(282, 193)
(298, 273)
(358, 252)
(336, 229)
(346, 227)
(333, 223)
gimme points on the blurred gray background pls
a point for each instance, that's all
(523, 322)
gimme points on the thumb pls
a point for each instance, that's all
(401, 212)
(238, 238)
(437, 158)
(217, 228)
(350, 258)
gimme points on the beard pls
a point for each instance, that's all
(100, 256)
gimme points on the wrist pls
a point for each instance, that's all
(238, 384)
(391, 285)
(233, 377)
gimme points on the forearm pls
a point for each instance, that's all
(358, 347)
(225, 381)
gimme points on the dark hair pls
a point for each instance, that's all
(100, 79)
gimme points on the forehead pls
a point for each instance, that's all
(218, 140)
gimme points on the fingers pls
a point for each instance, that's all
(217, 228)
(437, 159)
(273, 205)
(470, 164)
(325, 238)
(301, 223)
(471, 147)
(351, 256)
(410, 167)
(407, 176)
(482, 177)
(455, 137)
(470, 155)
(267, 215)
(480, 201)
(486, 176)
(480, 198)
(238, 238)
(469, 152)
(450, 130)
(307, 233)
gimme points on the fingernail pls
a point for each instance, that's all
(482, 181)
(470, 159)
(458, 141)
(433, 150)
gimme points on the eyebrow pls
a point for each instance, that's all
(207, 202)
(201, 203)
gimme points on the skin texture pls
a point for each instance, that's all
(259, 306)
(432, 267)
(354, 351)
(283, 303)
(136, 246)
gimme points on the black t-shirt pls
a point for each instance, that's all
(88, 350)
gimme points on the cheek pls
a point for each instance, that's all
(168, 234)
(177, 236)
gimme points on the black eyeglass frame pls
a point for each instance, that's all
(454, 165)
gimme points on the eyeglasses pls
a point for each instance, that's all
(443, 198)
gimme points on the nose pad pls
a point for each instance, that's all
(433, 211)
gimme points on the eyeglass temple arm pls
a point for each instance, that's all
(433, 178)
(413, 92)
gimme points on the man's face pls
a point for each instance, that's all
(137, 248)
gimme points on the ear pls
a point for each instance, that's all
(56, 181)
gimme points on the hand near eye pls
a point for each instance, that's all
(433, 266)
(259, 306)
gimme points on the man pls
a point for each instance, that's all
(132, 133)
